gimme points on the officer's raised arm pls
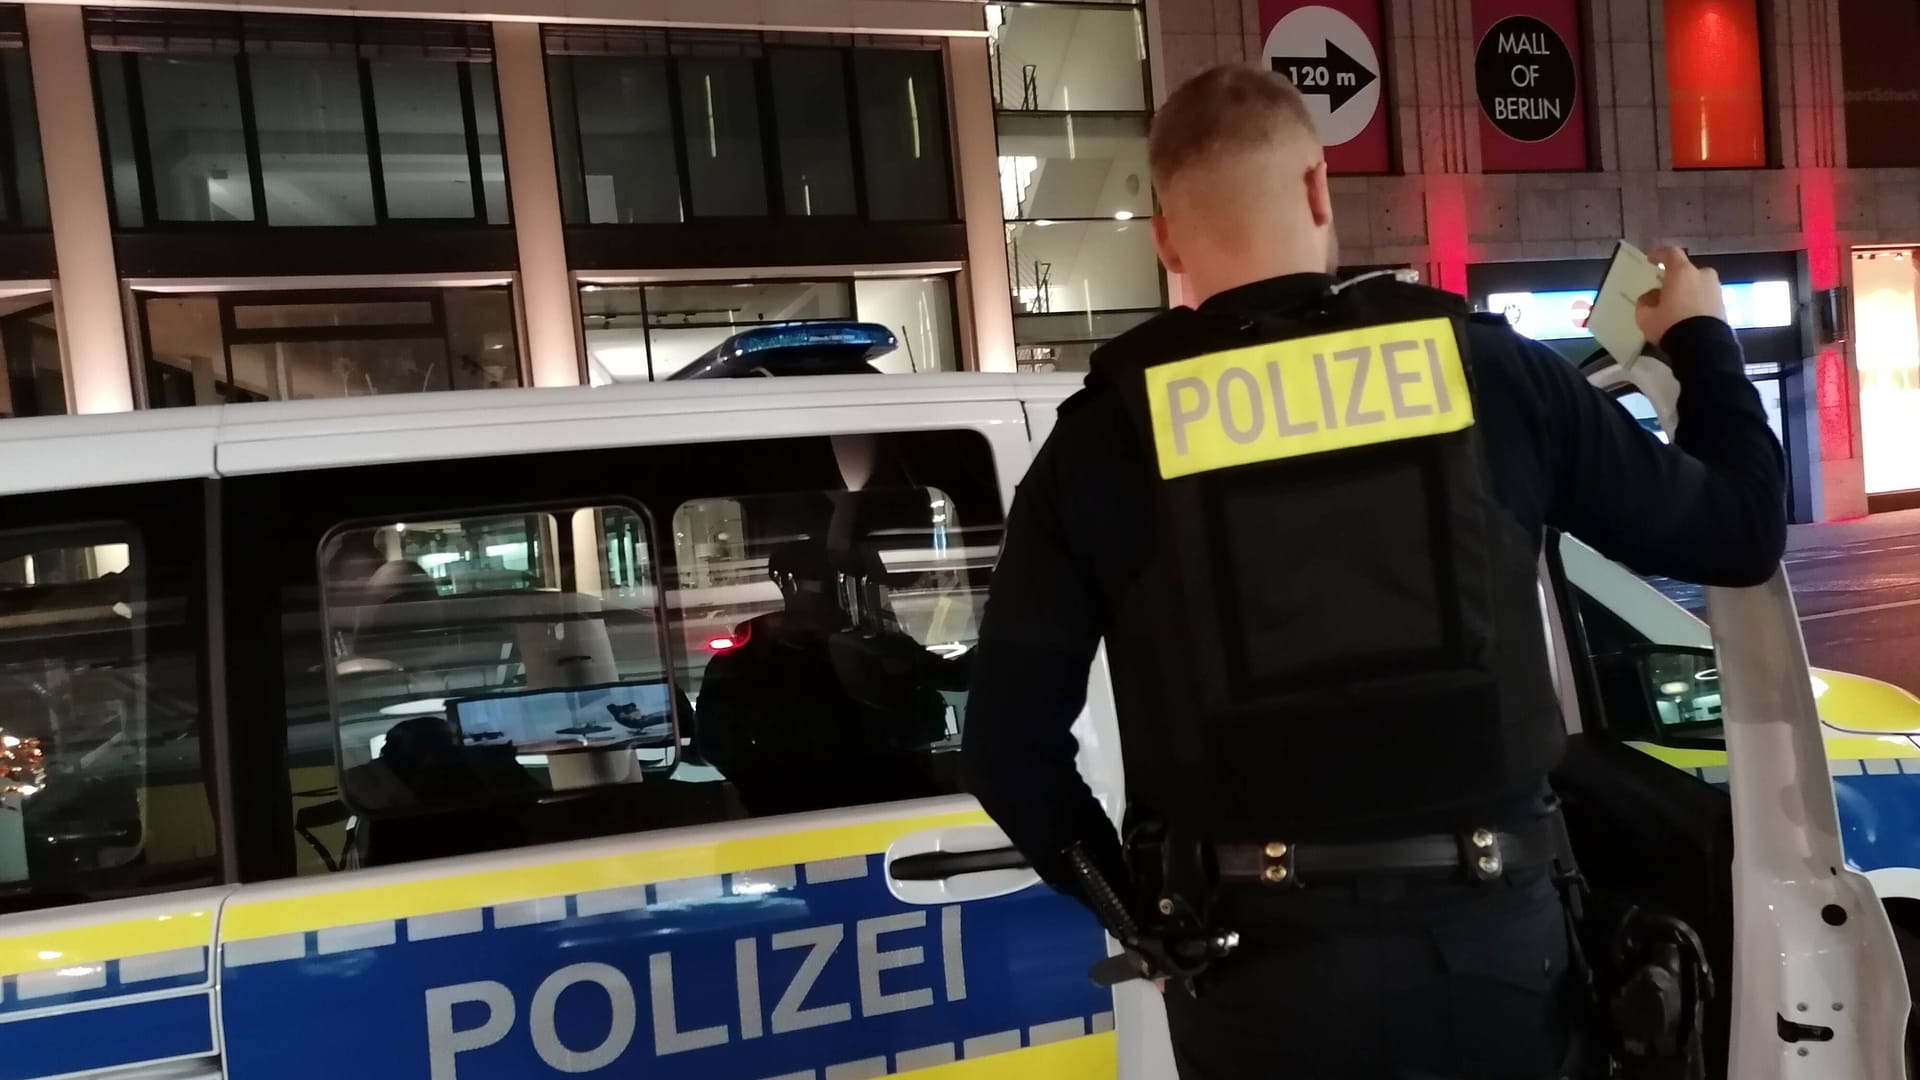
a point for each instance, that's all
(1710, 508)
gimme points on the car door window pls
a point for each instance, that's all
(103, 787)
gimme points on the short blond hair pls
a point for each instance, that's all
(1232, 107)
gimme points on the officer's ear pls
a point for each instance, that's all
(1163, 244)
(1319, 195)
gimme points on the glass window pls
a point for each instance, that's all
(1066, 342)
(493, 161)
(1082, 266)
(1056, 58)
(903, 134)
(239, 347)
(1054, 167)
(627, 155)
(827, 636)
(919, 311)
(116, 119)
(499, 655)
(313, 140)
(25, 203)
(720, 116)
(100, 716)
(34, 383)
(816, 154)
(734, 303)
(196, 142)
(423, 139)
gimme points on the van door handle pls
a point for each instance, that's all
(941, 865)
(956, 864)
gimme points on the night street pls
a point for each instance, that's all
(1858, 588)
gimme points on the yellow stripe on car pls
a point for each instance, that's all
(269, 917)
(78, 946)
(1088, 1056)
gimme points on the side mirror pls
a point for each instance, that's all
(1662, 690)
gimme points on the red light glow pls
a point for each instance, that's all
(722, 643)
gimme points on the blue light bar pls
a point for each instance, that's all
(799, 348)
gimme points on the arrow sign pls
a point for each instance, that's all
(1336, 75)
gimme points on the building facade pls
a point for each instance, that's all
(217, 204)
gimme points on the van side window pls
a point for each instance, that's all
(485, 654)
(827, 636)
(493, 655)
(102, 782)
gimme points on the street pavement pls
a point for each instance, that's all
(1857, 585)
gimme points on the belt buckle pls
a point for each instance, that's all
(1276, 864)
(1480, 853)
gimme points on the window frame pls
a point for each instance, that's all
(168, 519)
(671, 47)
(235, 30)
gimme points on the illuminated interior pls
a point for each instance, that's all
(1716, 109)
(1886, 336)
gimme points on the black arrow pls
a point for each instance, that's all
(1336, 75)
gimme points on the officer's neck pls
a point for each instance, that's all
(1228, 271)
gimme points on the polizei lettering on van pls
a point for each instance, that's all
(1308, 396)
(651, 1006)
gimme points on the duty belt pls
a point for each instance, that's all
(1484, 854)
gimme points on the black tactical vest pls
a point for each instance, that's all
(1339, 633)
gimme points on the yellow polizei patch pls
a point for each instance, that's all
(1309, 395)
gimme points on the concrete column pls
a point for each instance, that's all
(93, 335)
(977, 145)
(546, 290)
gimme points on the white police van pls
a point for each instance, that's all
(489, 735)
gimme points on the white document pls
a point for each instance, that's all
(1630, 276)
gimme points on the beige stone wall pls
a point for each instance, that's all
(1443, 214)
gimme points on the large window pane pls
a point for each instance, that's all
(748, 302)
(1066, 342)
(493, 161)
(195, 139)
(816, 157)
(1074, 167)
(815, 143)
(1083, 266)
(615, 329)
(1065, 59)
(123, 164)
(720, 113)
(29, 182)
(903, 135)
(289, 347)
(423, 139)
(626, 139)
(100, 701)
(31, 380)
(919, 311)
(313, 140)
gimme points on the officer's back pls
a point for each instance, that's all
(1319, 604)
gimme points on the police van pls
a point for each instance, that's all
(612, 731)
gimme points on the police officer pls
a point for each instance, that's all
(1305, 520)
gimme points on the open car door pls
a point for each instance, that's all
(1817, 987)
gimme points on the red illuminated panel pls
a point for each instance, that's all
(1716, 107)
(1831, 398)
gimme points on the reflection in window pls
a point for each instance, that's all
(1060, 58)
(1060, 266)
(1066, 342)
(196, 141)
(23, 185)
(828, 636)
(99, 674)
(720, 116)
(658, 127)
(816, 152)
(637, 333)
(903, 134)
(177, 124)
(239, 347)
(33, 383)
(490, 656)
(313, 145)
(1066, 167)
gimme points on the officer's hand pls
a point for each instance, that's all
(1686, 291)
